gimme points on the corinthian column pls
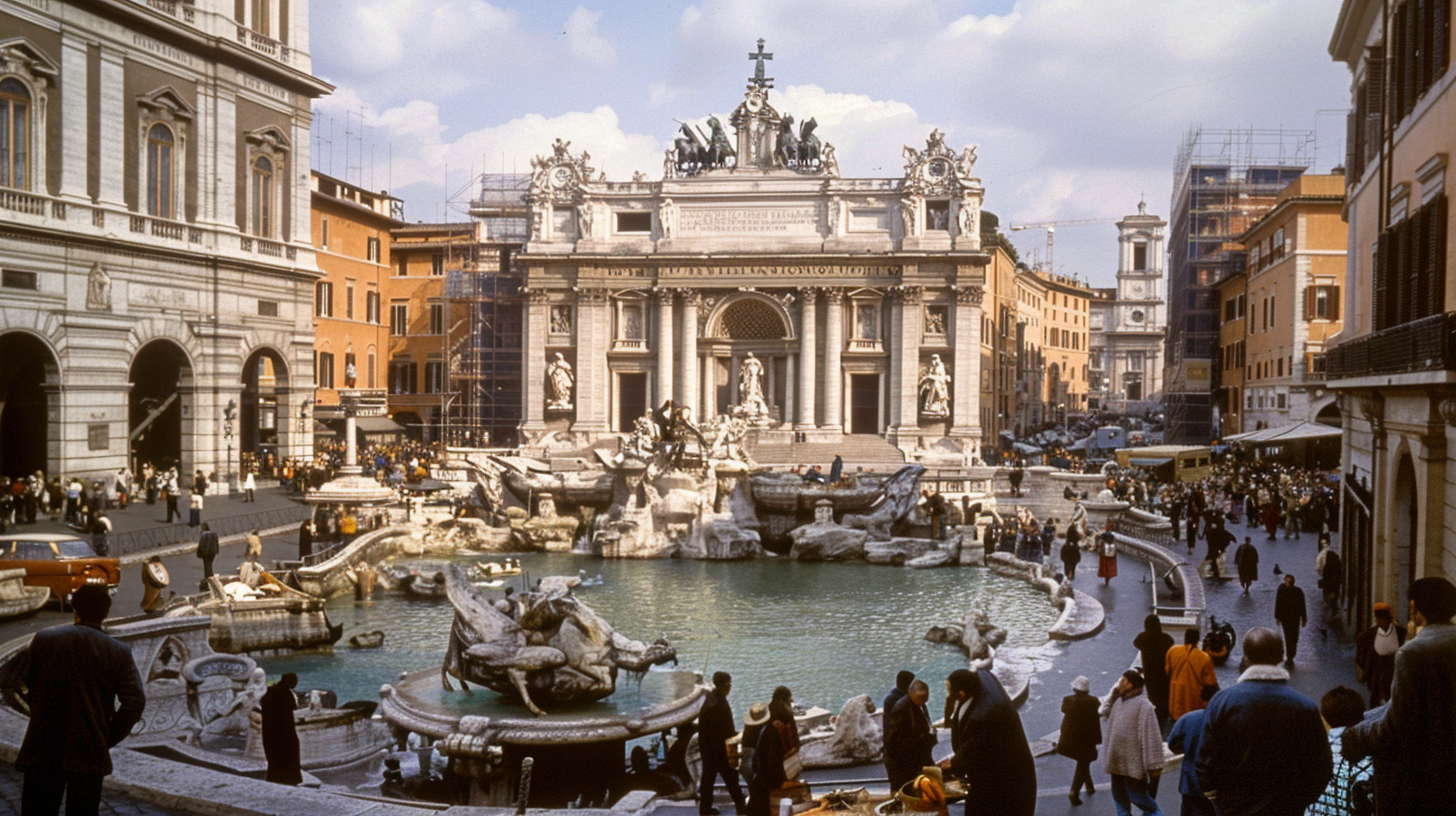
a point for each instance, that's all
(833, 344)
(593, 392)
(534, 363)
(664, 345)
(807, 320)
(966, 411)
(688, 386)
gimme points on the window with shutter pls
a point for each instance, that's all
(1436, 271)
(1379, 302)
(1374, 101)
(1441, 37)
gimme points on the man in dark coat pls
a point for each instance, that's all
(85, 696)
(1080, 735)
(991, 751)
(1153, 644)
(1289, 611)
(305, 539)
(207, 551)
(1071, 554)
(909, 739)
(716, 725)
(1413, 737)
(1265, 750)
(1246, 557)
(280, 734)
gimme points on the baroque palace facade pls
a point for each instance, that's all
(157, 267)
(753, 281)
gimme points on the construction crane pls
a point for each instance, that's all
(1051, 230)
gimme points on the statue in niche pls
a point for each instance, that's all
(561, 380)
(98, 289)
(750, 388)
(632, 323)
(561, 320)
(939, 218)
(935, 389)
(868, 325)
(907, 215)
(966, 217)
(667, 218)
(584, 220)
(935, 320)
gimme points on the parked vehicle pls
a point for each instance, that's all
(59, 562)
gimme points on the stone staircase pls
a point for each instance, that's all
(858, 450)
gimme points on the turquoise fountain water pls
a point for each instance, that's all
(828, 631)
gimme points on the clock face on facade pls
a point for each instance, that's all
(560, 177)
(1137, 288)
(1137, 315)
(754, 103)
(938, 168)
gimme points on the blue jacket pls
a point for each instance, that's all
(1186, 738)
(1264, 749)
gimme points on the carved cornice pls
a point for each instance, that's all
(970, 295)
(590, 297)
(536, 296)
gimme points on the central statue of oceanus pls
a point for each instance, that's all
(552, 651)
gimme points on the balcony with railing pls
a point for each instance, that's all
(264, 44)
(1428, 344)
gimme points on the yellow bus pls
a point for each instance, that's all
(1170, 463)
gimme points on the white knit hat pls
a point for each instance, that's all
(1081, 684)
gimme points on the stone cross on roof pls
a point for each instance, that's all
(758, 78)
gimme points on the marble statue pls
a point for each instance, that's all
(750, 388)
(643, 440)
(233, 721)
(561, 320)
(966, 216)
(828, 162)
(869, 322)
(966, 163)
(558, 653)
(98, 289)
(667, 218)
(935, 389)
(902, 493)
(584, 220)
(559, 377)
(858, 737)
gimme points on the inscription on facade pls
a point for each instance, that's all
(153, 296)
(766, 220)
(807, 270)
(267, 88)
(161, 49)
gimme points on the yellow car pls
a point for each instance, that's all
(59, 562)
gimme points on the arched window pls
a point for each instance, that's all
(161, 173)
(14, 134)
(263, 197)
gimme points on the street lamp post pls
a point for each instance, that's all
(229, 414)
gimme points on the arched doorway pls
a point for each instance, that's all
(749, 323)
(414, 426)
(161, 380)
(27, 367)
(1405, 513)
(262, 412)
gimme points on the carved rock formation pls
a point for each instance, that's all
(858, 738)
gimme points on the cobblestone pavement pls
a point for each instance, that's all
(112, 804)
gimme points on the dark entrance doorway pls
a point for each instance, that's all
(26, 366)
(262, 412)
(159, 374)
(864, 403)
(631, 399)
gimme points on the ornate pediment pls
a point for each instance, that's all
(19, 55)
(558, 178)
(165, 102)
(937, 170)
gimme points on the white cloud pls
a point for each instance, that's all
(584, 41)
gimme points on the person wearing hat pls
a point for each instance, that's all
(753, 723)
(1080, 735)
(909, 738)
(1375, 650)
(715, 728)
(1134, 745)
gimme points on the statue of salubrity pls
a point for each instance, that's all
(560, 379)
(935, 388)
(750, 389)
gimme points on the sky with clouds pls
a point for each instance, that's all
(1078, 106)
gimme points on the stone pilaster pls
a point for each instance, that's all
(905, 331)
(966, 389)
(223, 145)
(112, 156)
(688, 383)
(663, 344)
(833, 369)
(593, 330)
(74, 74)
(533, 367)
(808, 349)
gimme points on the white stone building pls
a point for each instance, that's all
(154, 234)
(1128, 324)
(859, 300)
